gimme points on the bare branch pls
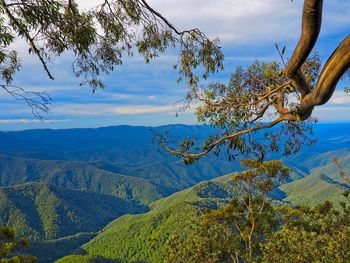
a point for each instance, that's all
(311, 25)
(332, 72)
(38, 102)
(341, 171)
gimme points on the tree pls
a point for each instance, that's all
(313, 234)
(235, 232)
(319, 234)
(266, 95)
(11, 248)
(254, 228)
(98, 39)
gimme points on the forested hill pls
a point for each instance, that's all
(41, 211)
(142, 238)
(47, 178)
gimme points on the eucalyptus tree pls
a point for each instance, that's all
(266, 95)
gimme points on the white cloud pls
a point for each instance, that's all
(242, 23)
(339, 97)
(97, 109)
(245, 20)
(11, 121)
(108, 109)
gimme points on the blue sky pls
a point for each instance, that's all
(140, 94)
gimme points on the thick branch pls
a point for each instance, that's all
(332, 72)
(311, 25)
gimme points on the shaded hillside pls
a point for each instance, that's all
(174, 176)
(76, 175)
(47, 251)
(39, 211)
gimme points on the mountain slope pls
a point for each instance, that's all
(76, 175)
(143, 184)
(140, 238)
(171, 177)
(135, 238)
(131, 145)
(39, 211)
(323, 184)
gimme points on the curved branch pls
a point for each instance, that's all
(170, 25)
(332, 72)
(311, 25)
(228, 137)
(28, 38)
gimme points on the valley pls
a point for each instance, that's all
(110, 194)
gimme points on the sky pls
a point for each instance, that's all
(148, 94)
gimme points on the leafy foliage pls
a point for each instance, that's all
(11, 247)
(320, 234)
(234, 233)
(98, 39)
(85, 259)
(256, 99)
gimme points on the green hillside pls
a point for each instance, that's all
(171, 177)
(132, 238)
(135, 238)
(323, 184)
(76, 175)
(41, 212)
(144, 184)
(309, 160)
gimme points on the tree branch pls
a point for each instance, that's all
(332, 72)
(28, 37)
(38, 102)
(311, 25)
(227, 137)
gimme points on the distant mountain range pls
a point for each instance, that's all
(61, 187)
